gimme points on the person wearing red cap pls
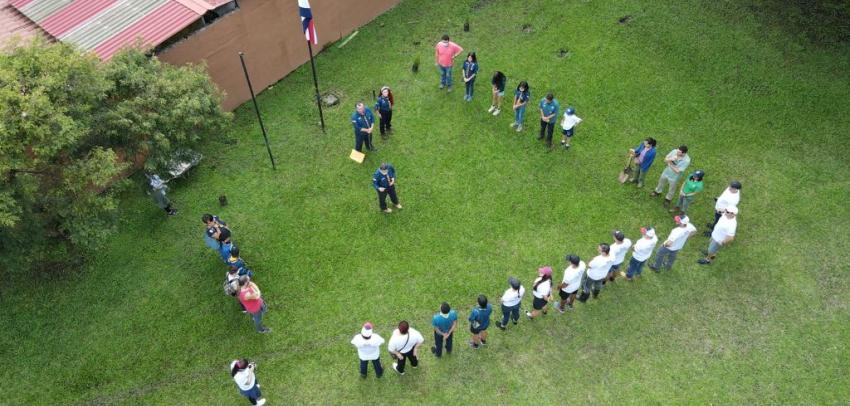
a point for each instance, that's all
(722, 235)
(542, 292)
(368, 349)
(641, 253)
(666, 255)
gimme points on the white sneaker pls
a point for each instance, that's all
(388, 210)
(398, 206)
(513, 125)
(496, 112)
(490, 110)
(519, 128)
(261, 402)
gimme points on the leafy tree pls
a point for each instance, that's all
(71, 130)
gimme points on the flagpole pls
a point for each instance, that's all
(256, 108)
(316, 85)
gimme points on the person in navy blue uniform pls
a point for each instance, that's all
(549, 107)
(470, 71)
(384, 106)
(384, 183)
(363, 122)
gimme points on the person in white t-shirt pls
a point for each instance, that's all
(511, 301)
(404, 345)
(730, 197)
(641, 253)
(597, 271)
(723, 234)
(666, 255)
(619, 249)
(568, 125)
(572, 281)
(242, 372)
(541, 289)
(368, 349)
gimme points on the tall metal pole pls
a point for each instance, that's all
(316, 85)
(257, 108)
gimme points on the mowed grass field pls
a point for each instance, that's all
(755, 100)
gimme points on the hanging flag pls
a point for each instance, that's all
(307, 21)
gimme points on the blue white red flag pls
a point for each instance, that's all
(307, 21)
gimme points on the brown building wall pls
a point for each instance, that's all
(269, 32)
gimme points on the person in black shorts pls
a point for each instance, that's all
(479, 320)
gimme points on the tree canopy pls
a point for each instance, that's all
(72, 128)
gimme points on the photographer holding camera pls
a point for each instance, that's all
(242, 372)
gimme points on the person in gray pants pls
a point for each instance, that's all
(666, 255)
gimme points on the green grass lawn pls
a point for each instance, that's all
(147, 323)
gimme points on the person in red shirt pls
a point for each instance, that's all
(444, 54)
(251, 299)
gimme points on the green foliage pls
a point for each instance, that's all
(71, 127)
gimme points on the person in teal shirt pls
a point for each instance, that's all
(479, 320)
(688, 192)
(549, 107)
(444, 323)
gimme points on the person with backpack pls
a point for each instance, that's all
(470, 71)
(511, 301)
(404, 345)
(479, 320)
(252, 300)
(571, 282)
(445, 324)
(220, 233)
(368, 346)
(541, 290)
(211, 222)
(242, 372)
(384, 106)
(498, 81)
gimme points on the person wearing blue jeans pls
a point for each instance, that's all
(445, 52)
(368, 346)
(641, 252)
(521, 96)
(242, 372)
(444, 323)
(511, 301)
(470, 71)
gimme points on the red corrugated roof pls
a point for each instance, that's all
(104, 26)
(152, 29)
(15, 24)
(71, 16)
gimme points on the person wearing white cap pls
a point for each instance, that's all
(242, 372)
(369, 349)
(641, 253)
(666, 255)
(730, 197)
(723, 233)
